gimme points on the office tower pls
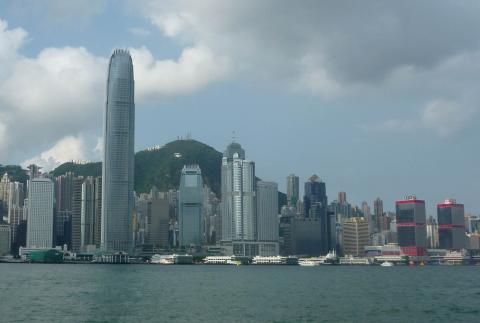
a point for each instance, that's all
(63, 209)
(5, 239)
(355, 236)
(4, 188)
(190, 206)
(367, 214)
(411, 231)
(40, 213)
(227, 206)
(267, 211)
(90, 218)
(158, 223)
(432, 233)
(143, 214)
(77, 214)
(287, 216)
(315, 199)
(307, 238)
(342, 197)
(97, 232)
(118, 155)
(293, 193)
(210, 218)
(451, 225)
(378, 214)
(315, 205)
(16, 196)
(244, 199)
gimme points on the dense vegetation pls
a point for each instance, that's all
(15, 172)
(161, 167)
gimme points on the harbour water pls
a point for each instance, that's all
(154, 293)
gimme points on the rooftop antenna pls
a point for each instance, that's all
(233, 136)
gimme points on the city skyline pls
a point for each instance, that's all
(374, 122)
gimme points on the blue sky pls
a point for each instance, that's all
(379, 99)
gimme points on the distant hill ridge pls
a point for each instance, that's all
(160, 167)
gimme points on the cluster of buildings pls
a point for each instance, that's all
(104, 215)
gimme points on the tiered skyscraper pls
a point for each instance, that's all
(118, 158)
(228, 224)
(191, 206)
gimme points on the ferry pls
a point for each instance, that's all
(162, 259)
(221, 260)
(311, 262)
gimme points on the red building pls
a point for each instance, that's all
(411, 229)
(451, 225)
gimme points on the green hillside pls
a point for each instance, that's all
(15, 172)
(162, 167)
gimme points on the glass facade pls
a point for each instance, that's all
(118, 158)
(191, 206)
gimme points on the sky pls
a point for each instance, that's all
(378, 98)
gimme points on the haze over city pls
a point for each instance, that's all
(379, 100)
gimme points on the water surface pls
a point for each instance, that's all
(153, 293)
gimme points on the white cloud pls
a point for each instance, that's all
(195, 68)
(66, 149)
(10, 41)
(443, 117)
(446, 117)
(61, 91)
(347, 43)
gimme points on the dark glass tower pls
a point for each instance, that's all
(315, 204)
(118, 155)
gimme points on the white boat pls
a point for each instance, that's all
(162, 259)
(387, 264)
(310, 262)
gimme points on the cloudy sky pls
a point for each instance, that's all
(379, 98)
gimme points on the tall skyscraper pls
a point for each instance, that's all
(77, 213)
(378, 214)
(293, 193)
(316, 209)
(158, 223)
(355, 236)
(228, 225)
(118, 158)
(5, 239)
(4, 187)
(451, 225)
(90, 213)
(244, 206)
(411, 229)
(191, 206)
(267, 211)
(342, 197)
(367, 214)
(40, 213)
(63, 209)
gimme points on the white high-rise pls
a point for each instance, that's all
(243, 199)
(228, 225)
(40, 213)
